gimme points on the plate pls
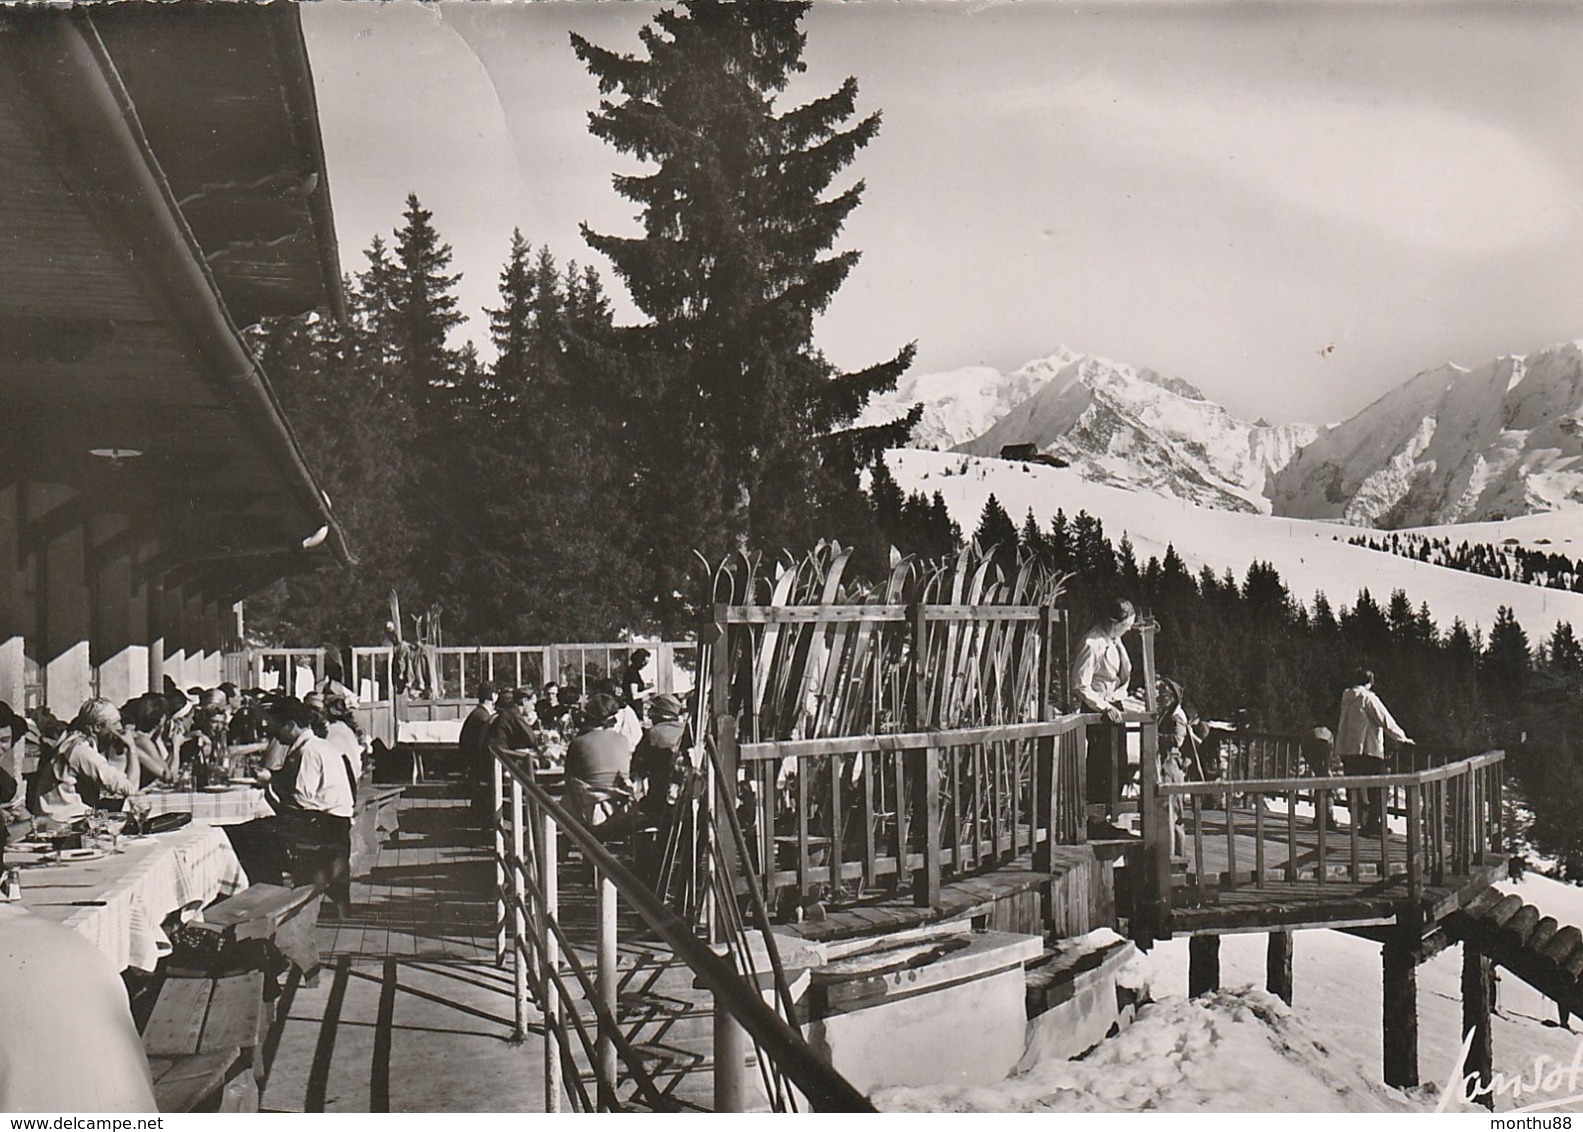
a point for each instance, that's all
(82, 854)
(218, 788)
(31, 846)
(244, 782)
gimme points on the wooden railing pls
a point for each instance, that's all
(589, 1062)
(1244, 754)
(1451, 816)
(909, 810)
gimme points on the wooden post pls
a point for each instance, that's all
(1400, 1022)
(1203, 964)
(730, 1057)
(519, 925)
(1278, 966)
(1047, 783)
(502, 935)
(550, 908)
(1155, 892)
(926, 881)
(1046, 777)
(1478, 979)
(606, 977)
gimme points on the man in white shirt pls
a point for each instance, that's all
(1360, 741)
(314, 794)
(77, 777)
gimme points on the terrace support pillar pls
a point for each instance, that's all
(68, 670)
(1203, 964)
(122, 660)
(1278, 966)
(194, 670)
(1399, 958)
(153, 590)
(13, 630)
(1478, 987)
(175, 639)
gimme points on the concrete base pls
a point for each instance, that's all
(884, 1015)
(1075, 1006)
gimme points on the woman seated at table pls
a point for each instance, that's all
(313, 794)
(75, 776)
(15, 821)
(597, 763)
(147, 758)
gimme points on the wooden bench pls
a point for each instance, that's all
(286, 917)
(376, 816)
(204, 1039)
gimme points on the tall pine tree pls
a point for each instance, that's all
(748, 425)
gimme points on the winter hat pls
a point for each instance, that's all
(600, 709)
(665, 706)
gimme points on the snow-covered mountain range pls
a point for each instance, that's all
(1449, 446)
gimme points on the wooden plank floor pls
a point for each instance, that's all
(411, 1013)
(1235, 895)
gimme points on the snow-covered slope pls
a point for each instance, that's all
(1132, 427)
(1450, 446)
(960, 404)
(1309, 554)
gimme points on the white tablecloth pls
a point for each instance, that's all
(118, 902)
(429, 731)
(227, 807)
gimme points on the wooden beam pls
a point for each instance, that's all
(1478, 993)
(1278, 966)
(1203, 964)
(1400, 1011)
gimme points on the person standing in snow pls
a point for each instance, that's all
(1360, 741)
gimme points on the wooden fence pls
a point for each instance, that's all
(896, 735)
(1253, 832)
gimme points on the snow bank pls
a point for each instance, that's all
(1233, 1051)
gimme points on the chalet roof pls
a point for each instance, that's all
(163, 185)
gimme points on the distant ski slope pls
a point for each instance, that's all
(1310, 555)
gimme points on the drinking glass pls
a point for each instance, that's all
(139, 809)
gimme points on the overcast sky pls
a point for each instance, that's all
(1295, 206)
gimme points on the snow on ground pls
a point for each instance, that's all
(1240, 1050)
(1233, 1051)
(1310, 555)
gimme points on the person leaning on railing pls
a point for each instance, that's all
(1360, 741)
(1101, 674)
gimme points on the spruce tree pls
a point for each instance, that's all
(995, 529)
(733, 266)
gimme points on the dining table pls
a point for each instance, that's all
(117, 893)
(241, 800)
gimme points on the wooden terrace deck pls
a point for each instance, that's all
(411, 1013)
(1364, 880)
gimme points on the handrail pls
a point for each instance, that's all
(1453, 824)
(825, 1088)
(914, 740)
(1334, 781)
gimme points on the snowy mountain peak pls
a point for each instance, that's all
(1451, 445)
(1132, 427)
